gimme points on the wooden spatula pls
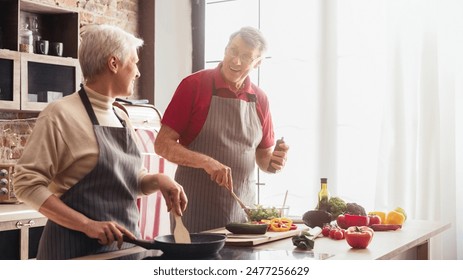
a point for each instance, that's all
(243, 206)
(181, 234)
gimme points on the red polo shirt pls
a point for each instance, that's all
(188, 109)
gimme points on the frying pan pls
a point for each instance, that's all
(202, 244)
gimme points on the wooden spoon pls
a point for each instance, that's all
(243, 206)
(181, 234)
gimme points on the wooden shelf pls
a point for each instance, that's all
(32, 73)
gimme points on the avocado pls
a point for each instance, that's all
(246, 228)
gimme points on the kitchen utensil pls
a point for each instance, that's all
(243, 206)
(181, 234)
(277, 148)
(202, 244)
(283, 207)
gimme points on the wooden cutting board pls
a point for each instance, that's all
(249, 240)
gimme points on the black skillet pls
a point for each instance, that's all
(202, 244)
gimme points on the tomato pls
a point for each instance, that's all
(326, 230)
(381, 214)
(374, 220)
(341, 221)
(332, 231)
(338, 234)
(359, 237)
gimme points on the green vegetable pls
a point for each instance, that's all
(246, 228)
(355, 209)
(316, 218)
(336, 206)
(304, 240)
(263, 213)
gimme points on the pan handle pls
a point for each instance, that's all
(142, 243)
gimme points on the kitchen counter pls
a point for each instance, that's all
(19, 216)
(14, 212)
(410, 242)
(20, 230)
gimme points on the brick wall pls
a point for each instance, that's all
(13, 131)
(123, 13)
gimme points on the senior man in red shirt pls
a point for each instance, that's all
(216, 128)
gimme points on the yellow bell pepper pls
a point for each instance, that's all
(280, 224)
(401, 210)
(381, 214)
(395, 218)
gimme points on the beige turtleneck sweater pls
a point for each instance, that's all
(62, 148)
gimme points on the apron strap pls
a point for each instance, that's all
(88, 105)
(214, 90)
(124, 124)
(252, 97)
(91, 112)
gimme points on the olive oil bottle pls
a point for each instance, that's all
(323, 195)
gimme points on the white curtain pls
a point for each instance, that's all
(418, 159)
(379, 116)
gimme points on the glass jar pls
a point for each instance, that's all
(26, 39)
(34, 22)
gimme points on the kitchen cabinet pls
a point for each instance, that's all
(20, 231)
(29, 80)
(9, 79)
(46, 74)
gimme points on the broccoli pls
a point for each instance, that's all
(336, 206)
(355, 209)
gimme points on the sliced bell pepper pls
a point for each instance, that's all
(280, 224)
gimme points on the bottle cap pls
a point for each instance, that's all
(324, 180)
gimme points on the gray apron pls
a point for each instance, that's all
(107, 193)
(230, 135)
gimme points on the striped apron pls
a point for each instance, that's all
(107, 193)
(230, 135)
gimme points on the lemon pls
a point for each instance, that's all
(401, 210)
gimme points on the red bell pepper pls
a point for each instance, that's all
(348, 220)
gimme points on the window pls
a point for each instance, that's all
(322, 98)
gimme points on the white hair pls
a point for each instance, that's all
(252, 36)
(99, 42)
